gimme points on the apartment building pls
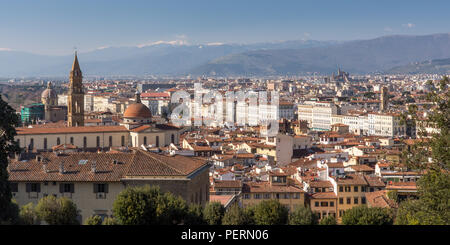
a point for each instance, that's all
(318, 114)
(277, 187)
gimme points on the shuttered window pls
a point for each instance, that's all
(101, 188)
(66, 188)
(33, 187)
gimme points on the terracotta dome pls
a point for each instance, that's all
(49, 93)
(137, 110)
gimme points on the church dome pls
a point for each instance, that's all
(137, 110)
(49, 95)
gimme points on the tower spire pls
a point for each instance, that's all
(76, 65)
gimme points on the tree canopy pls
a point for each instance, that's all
(9, 120)
(270, 212)
(57, 211)
(213, 213)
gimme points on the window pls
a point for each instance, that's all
(100, 188)
(157, 141)
(324, 204)
(371, 189)
(287, 196)
(71, 140)
(58, 141)
(341, 189)
(45, 143)
(14, 187)
(246, 196)
(277, 196)
(110, 141)
(355, 200)
(349, 200)
(257, 196)
(316, 204)
(84, 142)
(98, 141)
(297, 196)
(267, 196)
(363, 200)
(363, 188)
(122, 141)
(33, 187)
(18, 142)
(331, 204)
(317, 189)
(66, 188)
(355, 188)
(348, 189)
(145, 140)
(172, 139)
(341, 200)
(31, 146)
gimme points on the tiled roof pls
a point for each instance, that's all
(261, 187)
(320, 184)
(379, 199)
(137, 163)
(324, 195)
(227, 184)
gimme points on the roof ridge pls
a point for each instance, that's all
(165, 164)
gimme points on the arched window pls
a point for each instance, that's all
(58, 141)
(45, 143)
(157, 141)
(123, 140)
(98, 141)
(84, 142)
(110, 141)
(145, 140)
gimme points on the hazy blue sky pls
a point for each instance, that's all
(55, 27)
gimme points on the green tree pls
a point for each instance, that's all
(93, 220)
(270, 212)
(148, 206)
(28, 215)
(213, 213)
(363, 215)
(136, 206)
(195, 215)
(431, 156)
(9, 120)
(171, 209)
(109, 221)
(57, 211)
(302, 216)
(329, 220)
(236, 215)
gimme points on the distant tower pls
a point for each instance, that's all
(384, 99)
(75, 98)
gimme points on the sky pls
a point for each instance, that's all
(55, 27)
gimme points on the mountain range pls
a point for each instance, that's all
(383, 54)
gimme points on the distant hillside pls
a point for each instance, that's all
(276, 58)
(362, 56)
(158, 59)
(440, 66)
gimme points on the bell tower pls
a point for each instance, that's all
(75, 97)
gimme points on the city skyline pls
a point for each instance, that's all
(56, 27)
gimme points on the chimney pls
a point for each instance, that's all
(44, 167)
(61, 168)
(94, 167)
